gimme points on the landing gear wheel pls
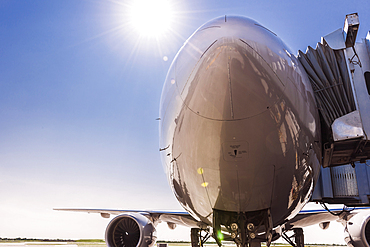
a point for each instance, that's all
(194, 236)
(297, 236)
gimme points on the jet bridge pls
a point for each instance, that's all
(347, 184)
(339, 71)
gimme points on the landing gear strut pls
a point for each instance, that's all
(246, 229)
(297, 236)
(199, 237)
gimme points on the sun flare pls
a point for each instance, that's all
(151, 18)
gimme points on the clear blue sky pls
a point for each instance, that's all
(79, 95)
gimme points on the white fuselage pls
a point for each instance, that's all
(239, 130)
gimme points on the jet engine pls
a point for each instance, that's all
(357, 232)
(130, 230)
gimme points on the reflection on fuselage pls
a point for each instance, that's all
(239, 118)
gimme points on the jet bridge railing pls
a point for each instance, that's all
(339, 72)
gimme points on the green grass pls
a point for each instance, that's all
(101, 243)
(90, 240)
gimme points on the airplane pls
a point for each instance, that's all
(242, 132)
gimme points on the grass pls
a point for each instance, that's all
(101, 243)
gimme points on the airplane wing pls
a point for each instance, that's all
(313, 217)
(178, 218)
(303, 219)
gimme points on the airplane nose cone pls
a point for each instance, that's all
(231, 81)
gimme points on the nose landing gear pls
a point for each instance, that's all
(246, 229)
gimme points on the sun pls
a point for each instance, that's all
(151, 18)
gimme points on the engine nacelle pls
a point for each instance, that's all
(130, 230)
(357, 233)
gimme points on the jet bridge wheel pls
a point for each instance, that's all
(199, 237)
(297, 236)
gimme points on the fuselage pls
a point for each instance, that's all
(239, 129)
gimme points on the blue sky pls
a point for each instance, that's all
(79, 98)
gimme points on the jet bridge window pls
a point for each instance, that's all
(367, 80)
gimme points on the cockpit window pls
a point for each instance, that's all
(209, 28)
(265, 28)
(367, 81)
